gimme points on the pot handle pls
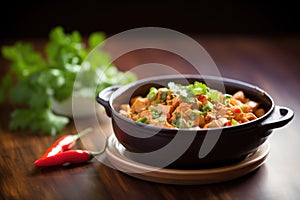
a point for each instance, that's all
(280, 117)
(104, 96)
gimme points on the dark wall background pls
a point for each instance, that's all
(36, 18)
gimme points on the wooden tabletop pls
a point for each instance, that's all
(271, 63)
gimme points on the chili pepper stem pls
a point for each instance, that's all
(82, 133)
(97, 153)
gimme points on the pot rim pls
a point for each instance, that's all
(246, 125)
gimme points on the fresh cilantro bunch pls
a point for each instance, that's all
(33, 80)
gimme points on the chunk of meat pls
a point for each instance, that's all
(125, 110)
(210, 116)
(201, 121)
(216, 123)
(161, 124)
(125, 107)
(147, 114)
(124, 113)
(165, 109)
(235, 102)
(140, 104)
(259, 112)
(250, 116)
(240, 96)
(253, 105)
(173, 103)
(182, 109)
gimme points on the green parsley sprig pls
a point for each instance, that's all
(33, 80)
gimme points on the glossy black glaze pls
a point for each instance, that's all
(234, 143)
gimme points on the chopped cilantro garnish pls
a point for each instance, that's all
(187, 93)
(155, 114)
(214, 96)
(164, 95)
(227, 96)
(189, 124)
(162, 118)
(226, 99)
(199, 88)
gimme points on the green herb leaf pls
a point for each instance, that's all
(162, 118)
(95, 39)
(199, 88)
(5, 87)
(189, 124)
(164, 95)
(37, 80)
(64, 48)
(179, 122)
(187, 93)
(156, 114)
(214, 96)
(21, 93)
(37, 120)
(24, 60)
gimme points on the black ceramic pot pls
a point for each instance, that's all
(193, 148)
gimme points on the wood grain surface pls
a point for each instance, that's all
(271, 63)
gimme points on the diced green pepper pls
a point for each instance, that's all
(142, 119)
(227, 96)
(242, 109)
(234, 122)
(198, 112)
(152, 108)
(208, 106)
(152, 93)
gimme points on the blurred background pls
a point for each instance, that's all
(27, 19)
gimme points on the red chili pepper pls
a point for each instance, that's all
(237, 110)
(228, 123)
(64, 143)
(168, 115)
(66, 157)
(200, 97)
